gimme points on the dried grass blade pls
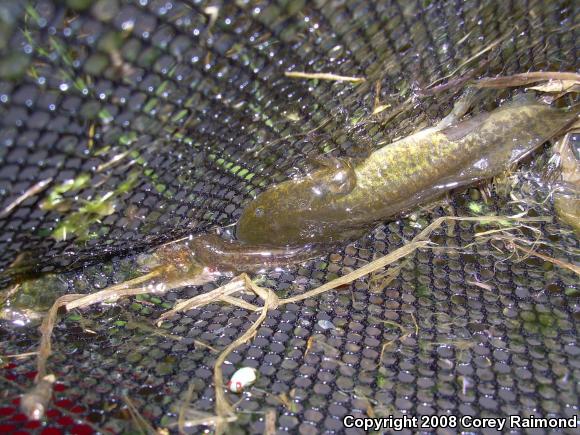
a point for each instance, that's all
(323, 76)
(524, 79)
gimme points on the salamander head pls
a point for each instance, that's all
(298, 212)
(275, 217)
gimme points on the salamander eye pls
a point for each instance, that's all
(259, 212)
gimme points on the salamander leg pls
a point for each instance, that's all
(460, 108)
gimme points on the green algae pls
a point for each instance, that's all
(77, 224)
(56, 200)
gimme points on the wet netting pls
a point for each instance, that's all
(128, 124)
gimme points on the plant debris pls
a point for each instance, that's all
(323, 76)
(35, 402)
(524, 79)
(557, 86)
(30, 192)
(560, 263)
(225, 293)
(8, 293)
(142, 425)
(270, 422)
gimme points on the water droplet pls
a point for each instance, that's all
(128, 25)
(326, 324)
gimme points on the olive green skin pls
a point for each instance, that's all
(318, 209)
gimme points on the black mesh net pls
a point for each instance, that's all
(124, 125)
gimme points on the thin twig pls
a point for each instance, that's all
(323, 76)
(524, 79)
(183, 408)
(468, 61)
(231, 287)
(270, 422)
(356, 274)
(561, 87)
(35, 401)
(239, 303)
(130, 288)
(480, 285)
(564, 264)
(223, 408)
(135, 324)
(387, 322)
(125, 288)
(65, 411)
(139, 420)
(45, 348)
(35, 189)
(114, 160)
(197, 418)
(7, 294)
(454, 83)
(415, 323)
(19, 355)
(379, 281)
